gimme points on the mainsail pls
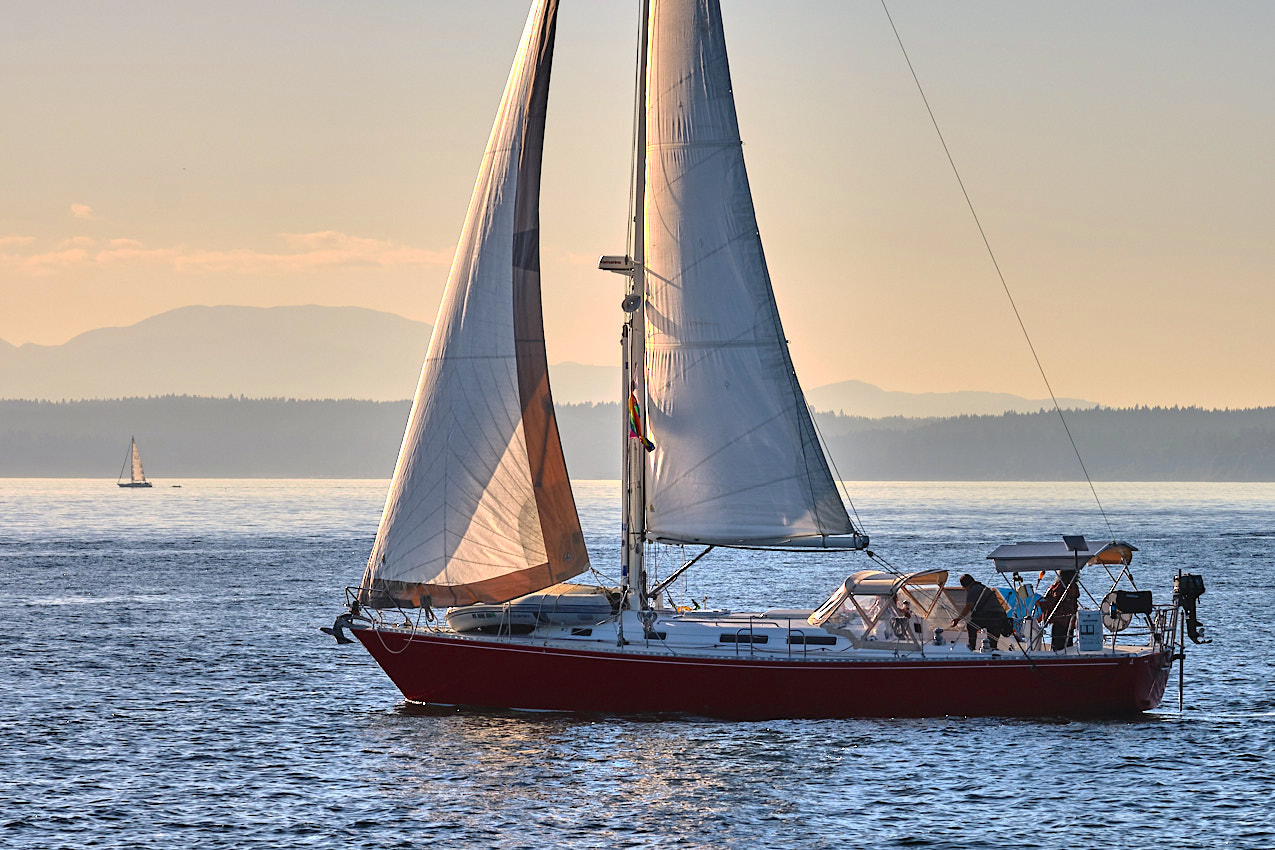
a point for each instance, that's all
(480, 508)
(737, 458)
(138, 474)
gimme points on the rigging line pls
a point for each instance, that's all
(407, 644)
(639, 115)
(827, 450)
(890, 568)
(988, 245)
(662, 586)
(604, 578)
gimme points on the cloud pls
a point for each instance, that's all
(44, 264)
(328, 249)
(320, 250)
(132, 251)
(324, 239)
(81, 211)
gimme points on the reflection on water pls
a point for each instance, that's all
(165, 684)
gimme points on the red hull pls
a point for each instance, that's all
(455, 671)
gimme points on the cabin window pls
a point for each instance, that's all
(812, 640)
(743, 638)
(581, 632)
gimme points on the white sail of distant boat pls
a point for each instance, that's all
(719, 450)
(133, 463)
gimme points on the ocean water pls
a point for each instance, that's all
(165, 685)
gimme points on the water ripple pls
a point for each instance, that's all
(168, 687)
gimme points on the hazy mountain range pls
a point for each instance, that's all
(313, 352)
(295, 352)
(856, 398)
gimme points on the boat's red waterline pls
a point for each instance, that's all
(473, 672)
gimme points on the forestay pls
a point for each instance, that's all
(737, 460)
(480, 508)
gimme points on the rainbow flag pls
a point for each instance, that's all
(635, 423)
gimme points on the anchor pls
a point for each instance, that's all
(337, 629)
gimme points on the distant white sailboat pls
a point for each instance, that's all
(133, 463)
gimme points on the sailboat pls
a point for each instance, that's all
(466, 598)
(132, 463)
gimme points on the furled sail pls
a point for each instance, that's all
(480, 508)
(138, 474)
(737, 460)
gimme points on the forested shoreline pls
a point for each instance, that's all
(233, 437)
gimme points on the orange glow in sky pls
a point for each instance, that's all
(160, 154)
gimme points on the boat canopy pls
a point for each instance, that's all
(1056, 555)
(876, 583)
(880, 610)
(1115, 552)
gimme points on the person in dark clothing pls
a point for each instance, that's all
(982, 611)
(1058, 608)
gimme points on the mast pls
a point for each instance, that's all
(128, 458)
(633, 344)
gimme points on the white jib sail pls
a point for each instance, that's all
(480, 507)
(737, 460)
(138, 474)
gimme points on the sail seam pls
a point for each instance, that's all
(779, 414)
(703, 258)
(725, 143)
(741, 343)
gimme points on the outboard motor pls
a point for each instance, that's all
(1187, 589)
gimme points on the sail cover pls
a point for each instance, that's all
(480, 508)
(737, 460)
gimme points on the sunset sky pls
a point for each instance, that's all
(160, 154)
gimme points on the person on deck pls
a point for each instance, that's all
(1058, 608)
(982, 611)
